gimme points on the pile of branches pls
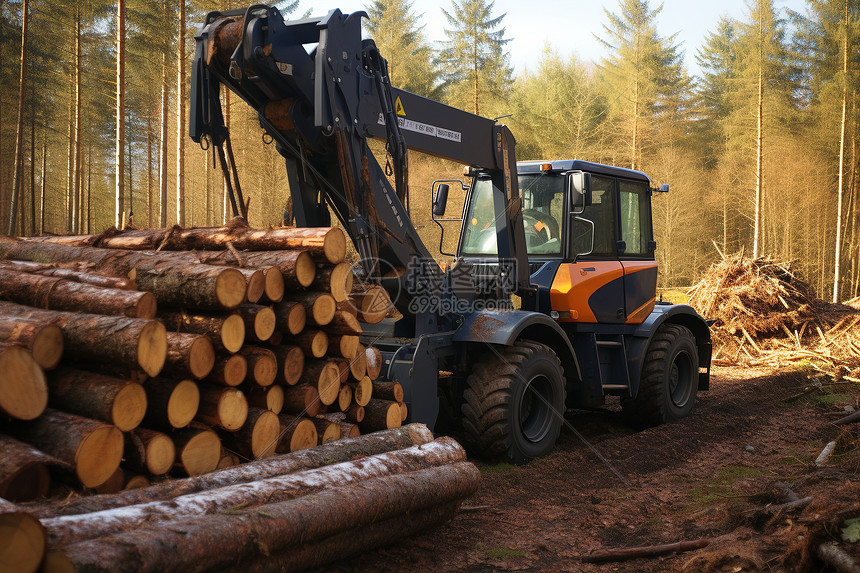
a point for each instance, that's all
(764, 313)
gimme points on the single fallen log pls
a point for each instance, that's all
(98, 397)
(297, 433)
(70, 529)
(93, 449)
(71, 274)
(848, 419)
(627, 553)
(23, 540)
(838, 558)
(189, 356)
(290, 317)
(23, 470)
(208, 542)
(336, 279)
(229, 370)
(55, 293)
(23, 389)
(348, 543)
(198, 450)
(41, 337)
(222, 407)
(267, 398)
(343, 450)
(171, 403)
(149, 452)
(224, 332)
(262, 365)
(173, 282)
(257, 437)
(291, 363)
(129, 342)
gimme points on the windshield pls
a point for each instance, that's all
(543, 208)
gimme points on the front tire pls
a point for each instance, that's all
(514, 403)
(670, 374)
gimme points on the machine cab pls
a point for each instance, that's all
(588, 234)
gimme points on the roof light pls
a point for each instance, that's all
(546, 167)
(468, 171)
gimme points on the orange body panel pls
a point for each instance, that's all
(575, 283)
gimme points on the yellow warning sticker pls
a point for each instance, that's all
(398, 107)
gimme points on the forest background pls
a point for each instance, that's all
(760, 148)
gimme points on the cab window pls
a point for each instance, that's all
(602, 213)
(636, 229)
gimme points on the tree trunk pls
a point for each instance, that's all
(23, 470)
(336, 279)
(291, 363)
(76, 173)
(344, 450)
(77, 276)
(189, 356)
(388, 391)
(93, 448)
(198, 450)
(302, 400)
(221, 407)
(759, 145)
(207, 542)
(180, 120)
(171, 403)
(150, 200)
(296, 433)
(162, 145)
(42, 338)
(120, 114)
(842, 125)
(379, 415)
(43, 182)
(149, 452)
(297, 267)
(24, 541)
(262, 365)
(33, 174)
(98, 397)
(123, 341)
(19, 134)
(55, 293)
(266, 398)
(257, 437)
(23, 389)
(224, 332)
(290, 317)
(229, 370)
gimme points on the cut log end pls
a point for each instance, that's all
(146, 307)
(296, 318)
(362, 391)
(328, 383)
(323, 309)
(294, 364)
(23, 388)
(160, 454)
(306, 269)
(296, 434)
(183, 404)
(264, 437)
(256, 285)
(30, 481)
(152, 348)
(201, 358)
(99, 455)
(335, 246)
(344, 398)
(374, 362)
(264, 324)
(230, 371)
(48, 346)
(232, 409)
(230, 288)
(23, 541)
(275, 398)
(340, 281)
(200, 453)
(129, 407)
(275, 286)
(233, 333)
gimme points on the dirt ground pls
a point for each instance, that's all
(710, 476)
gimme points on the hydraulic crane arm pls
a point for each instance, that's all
(321, 105)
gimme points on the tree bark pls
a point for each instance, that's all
(130, 342)
(149, 452)
(180, 119)
(257, 437)
(23, 541)
(262, 365)
(208, 542)
(388, 391)
(291, 363)
(92, 448)
(268, 398)
(23, 389)
(225, 408)
(189, 356)
(18, 172)
(198, 450)
(290, 317)
(226, 333)
(162, 143)
(23, 470)
(171, 403)
(296, 433)
(342, 451)
(229, 370)
(380, 415)
(56, 293)
(302, 400)
(42, 338)
(297, 268)
(49, 270)
(841, 186)
(120, 114)
(98, 397)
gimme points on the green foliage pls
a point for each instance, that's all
(851, 531)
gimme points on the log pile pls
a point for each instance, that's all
(183, 351)
(287, 512)
(764, 314)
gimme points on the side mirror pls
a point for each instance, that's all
(580, 191)
(440, 201)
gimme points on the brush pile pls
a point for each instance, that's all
(765, 314)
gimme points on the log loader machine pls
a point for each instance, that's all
(569, 242)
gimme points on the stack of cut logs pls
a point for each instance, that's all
(131, 355)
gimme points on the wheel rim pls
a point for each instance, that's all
(535, 409)
(681, 379)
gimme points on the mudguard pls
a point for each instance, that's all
(681, 314)
(505, 327)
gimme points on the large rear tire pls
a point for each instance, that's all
(514, 403)
(670, 375)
